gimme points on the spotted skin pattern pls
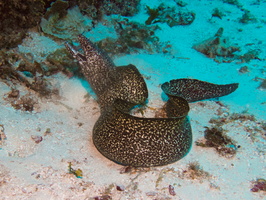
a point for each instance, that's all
(200, 89)
(144, 142)
(135, 141)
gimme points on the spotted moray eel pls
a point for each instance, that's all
(135, 141)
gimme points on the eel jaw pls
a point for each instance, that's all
(77, 55)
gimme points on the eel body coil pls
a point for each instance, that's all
(130, 140)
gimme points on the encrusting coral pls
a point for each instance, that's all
(65, 25)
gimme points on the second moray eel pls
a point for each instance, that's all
(130, 140)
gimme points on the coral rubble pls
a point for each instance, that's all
(215, 137)
(195, 172)
(95, 9)
(216, 46)
(60, 60)
(17, 16)
(132, 36)
(259, 185)
(217, 13)
(247, 17)
(2, 135)
(233, 2)
(18, 69)
(169, 15)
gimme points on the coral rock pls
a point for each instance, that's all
(216, 46)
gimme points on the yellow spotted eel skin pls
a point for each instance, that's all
(130, 140)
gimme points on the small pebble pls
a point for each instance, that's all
(151, 194)
(172, 190)
(47, 132)
(120, 187)
(13, 94)
(36, 138)
(104, 197)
